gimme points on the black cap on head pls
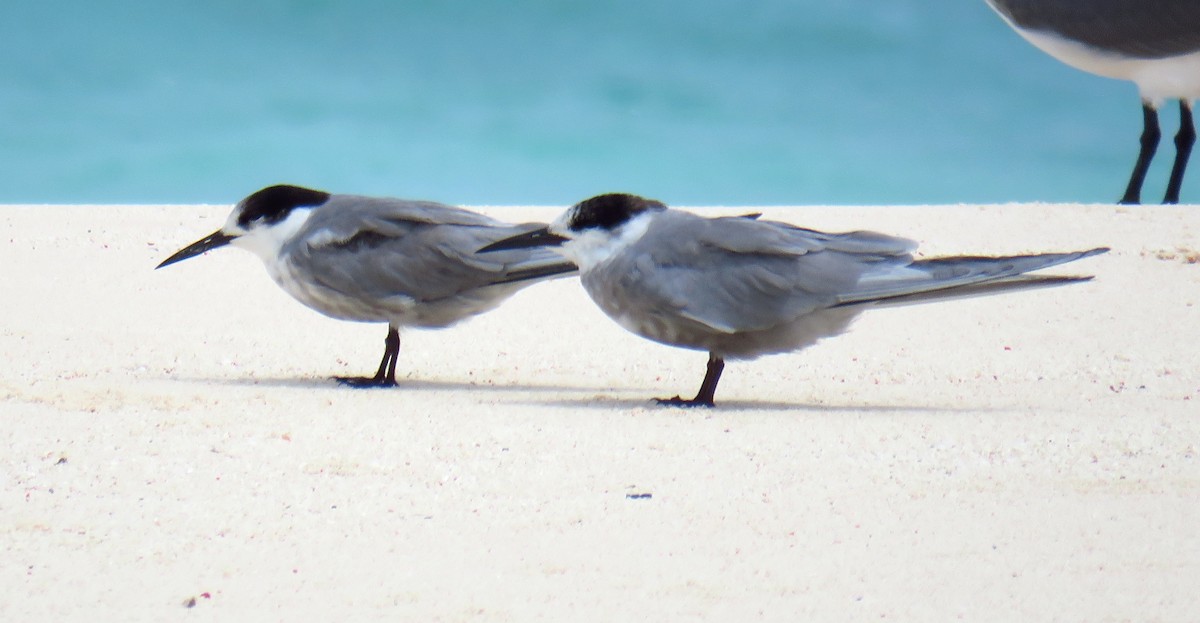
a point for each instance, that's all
(610, 211)
(274, 203)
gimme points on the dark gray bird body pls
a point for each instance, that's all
(408, 263)
(374, 259)
(739, 288)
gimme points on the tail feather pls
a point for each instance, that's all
(1022, 282)
(960, 277)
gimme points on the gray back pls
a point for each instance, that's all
(372, 248)
(736, 274)
(1134, 28)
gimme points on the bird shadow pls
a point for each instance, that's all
(403, 385)
(727, 406)
(591, 397)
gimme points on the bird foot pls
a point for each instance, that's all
(365, 382)
(686, 404)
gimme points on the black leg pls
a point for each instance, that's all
(1184, 140)
(392, 343)
(386, 375)
(1150, 136)
(708, 388)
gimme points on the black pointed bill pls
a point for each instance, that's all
(212, 241)
(536, 238)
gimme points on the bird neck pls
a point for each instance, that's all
(595, 246)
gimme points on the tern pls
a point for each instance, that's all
(741, 287)
(1153, 43)
(374, 259)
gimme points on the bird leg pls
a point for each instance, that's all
(708, 388)
(1150, 136)
(1184, 140)
(386, 375)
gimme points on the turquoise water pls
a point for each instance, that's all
(547, 102)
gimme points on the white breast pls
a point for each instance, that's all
(1156, 79)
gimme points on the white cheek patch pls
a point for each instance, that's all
(595, 246)
(265, 241)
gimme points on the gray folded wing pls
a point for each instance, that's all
(957, 277)
(735, 274)
(372, 248)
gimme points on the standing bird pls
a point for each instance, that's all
(1153, 43)
(372, 259)
(740, 288)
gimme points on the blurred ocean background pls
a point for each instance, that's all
(482, 102)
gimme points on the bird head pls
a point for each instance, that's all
(592, 230)
(261, 223)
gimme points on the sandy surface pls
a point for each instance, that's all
(171, 438)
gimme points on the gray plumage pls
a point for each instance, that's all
(1132, 28)
(372, 259)
(408, 263)
(741, 288)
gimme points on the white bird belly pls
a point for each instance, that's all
(1156, 78)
